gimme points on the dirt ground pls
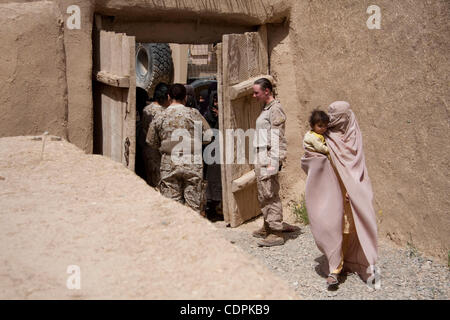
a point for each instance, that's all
(129, 242)
(406, 273)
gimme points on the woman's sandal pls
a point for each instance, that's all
(335, 279)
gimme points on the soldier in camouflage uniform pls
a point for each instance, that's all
(181, 170)
(271, 152)
(152, 156)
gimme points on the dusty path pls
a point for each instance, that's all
(405, 274)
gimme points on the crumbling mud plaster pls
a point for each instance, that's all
(78, 46)
(33, 87)
(396, 80)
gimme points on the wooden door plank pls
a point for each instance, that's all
(244, 181)
(114, 66)
(129, 102)
(245, 88)
(105, 62)
(116, 102)
(106, 119)
(245, 58)
(112, 79)
(264, 50)
(221, 100)
(105, 51)
(228, 200)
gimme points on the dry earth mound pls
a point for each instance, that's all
(129, 242)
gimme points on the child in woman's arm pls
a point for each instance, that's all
(314, 139)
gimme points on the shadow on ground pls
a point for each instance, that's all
(322, 270)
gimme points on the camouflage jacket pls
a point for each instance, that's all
(175, 117)
(271, 125)
(148, 115)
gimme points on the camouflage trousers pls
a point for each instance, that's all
(183, 183)
(268, 188)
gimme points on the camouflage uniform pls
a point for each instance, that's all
(152, 156)
(274, 152)
(182, 182)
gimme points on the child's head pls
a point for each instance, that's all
(319, 121)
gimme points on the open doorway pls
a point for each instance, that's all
(241, 58)
(195, 66)
(117, 111)
(202, 74)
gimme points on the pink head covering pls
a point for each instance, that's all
(345, 140)
(339, 113)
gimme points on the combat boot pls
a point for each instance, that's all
(289, 227)
(263, 232)
(273, 239)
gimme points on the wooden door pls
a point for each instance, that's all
(242, 58)
(114, 96)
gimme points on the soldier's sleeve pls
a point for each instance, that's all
(278, 144)
(152, 138)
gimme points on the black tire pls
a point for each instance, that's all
(153, 65)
